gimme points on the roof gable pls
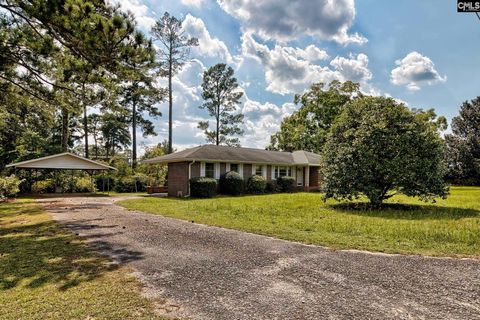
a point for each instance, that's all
(62, 161)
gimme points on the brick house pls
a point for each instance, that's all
(213, 161)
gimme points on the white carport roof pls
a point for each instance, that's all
(62, 161)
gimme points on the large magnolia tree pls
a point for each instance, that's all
(378, 147)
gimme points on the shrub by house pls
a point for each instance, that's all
(201, 187)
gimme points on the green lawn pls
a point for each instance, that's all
(449, 227)
(46, 272)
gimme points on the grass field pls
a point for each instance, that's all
(447, 228)
(46, 272)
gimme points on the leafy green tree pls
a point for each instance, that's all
(139, 93)
(35, 31)
(78, 44)
(307, 128)
(115, 133)
(463, 145)
(222, 96)
(95, 127)
(174, 52)
(25, 125)
(156, 172)
(377, 148)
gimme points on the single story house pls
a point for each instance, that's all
(213, 161)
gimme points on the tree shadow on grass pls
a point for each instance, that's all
(11, 209)
(45, 253)
(406, 211)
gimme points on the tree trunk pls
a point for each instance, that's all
(170, 102)
(96, 147)
(65, 133)
(134, 134)
(85, 129)
(217, 138)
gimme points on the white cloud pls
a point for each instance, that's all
(414, 71)
(193, 3)
(287, 69)
(139, 10)
(208, 45)
(262, 120)
(355, 69)
(285, 20)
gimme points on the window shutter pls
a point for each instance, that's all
(227, 166)
(264, 171)
(202, 169)
(254, 168)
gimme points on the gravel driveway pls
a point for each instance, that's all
(201, 272)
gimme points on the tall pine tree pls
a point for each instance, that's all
(222, 96)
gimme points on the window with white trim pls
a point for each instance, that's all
(258, 170)
(282, 171)
(210, 170)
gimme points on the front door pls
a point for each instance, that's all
(299, 176)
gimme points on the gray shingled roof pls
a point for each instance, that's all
(236, 154)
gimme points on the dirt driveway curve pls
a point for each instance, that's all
(203, 272)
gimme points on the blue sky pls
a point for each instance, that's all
(421, 52)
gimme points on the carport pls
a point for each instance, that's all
(64, 161)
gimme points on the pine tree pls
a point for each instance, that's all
(222, 96)
(174, 52)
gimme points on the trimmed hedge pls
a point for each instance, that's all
(201, 187)
(256, 184)
(231, 183)
(286, 184)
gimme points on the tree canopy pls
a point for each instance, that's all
(463, 144)
(222, 96)
(378, 147)
(307, 128)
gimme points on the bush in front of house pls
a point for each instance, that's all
(202, 187)
(231, 183)
(256, 184)
(271, 186)
(286, 184)
(9, 187)
(43, 186)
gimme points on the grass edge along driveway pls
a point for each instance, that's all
(46, 272)
(448, 227)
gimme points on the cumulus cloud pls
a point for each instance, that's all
(285, 20)
(291, 70)
(139, 10)
(414, 71)
(208, 45)
(355, 68)
(262, 120)
(193, 3)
